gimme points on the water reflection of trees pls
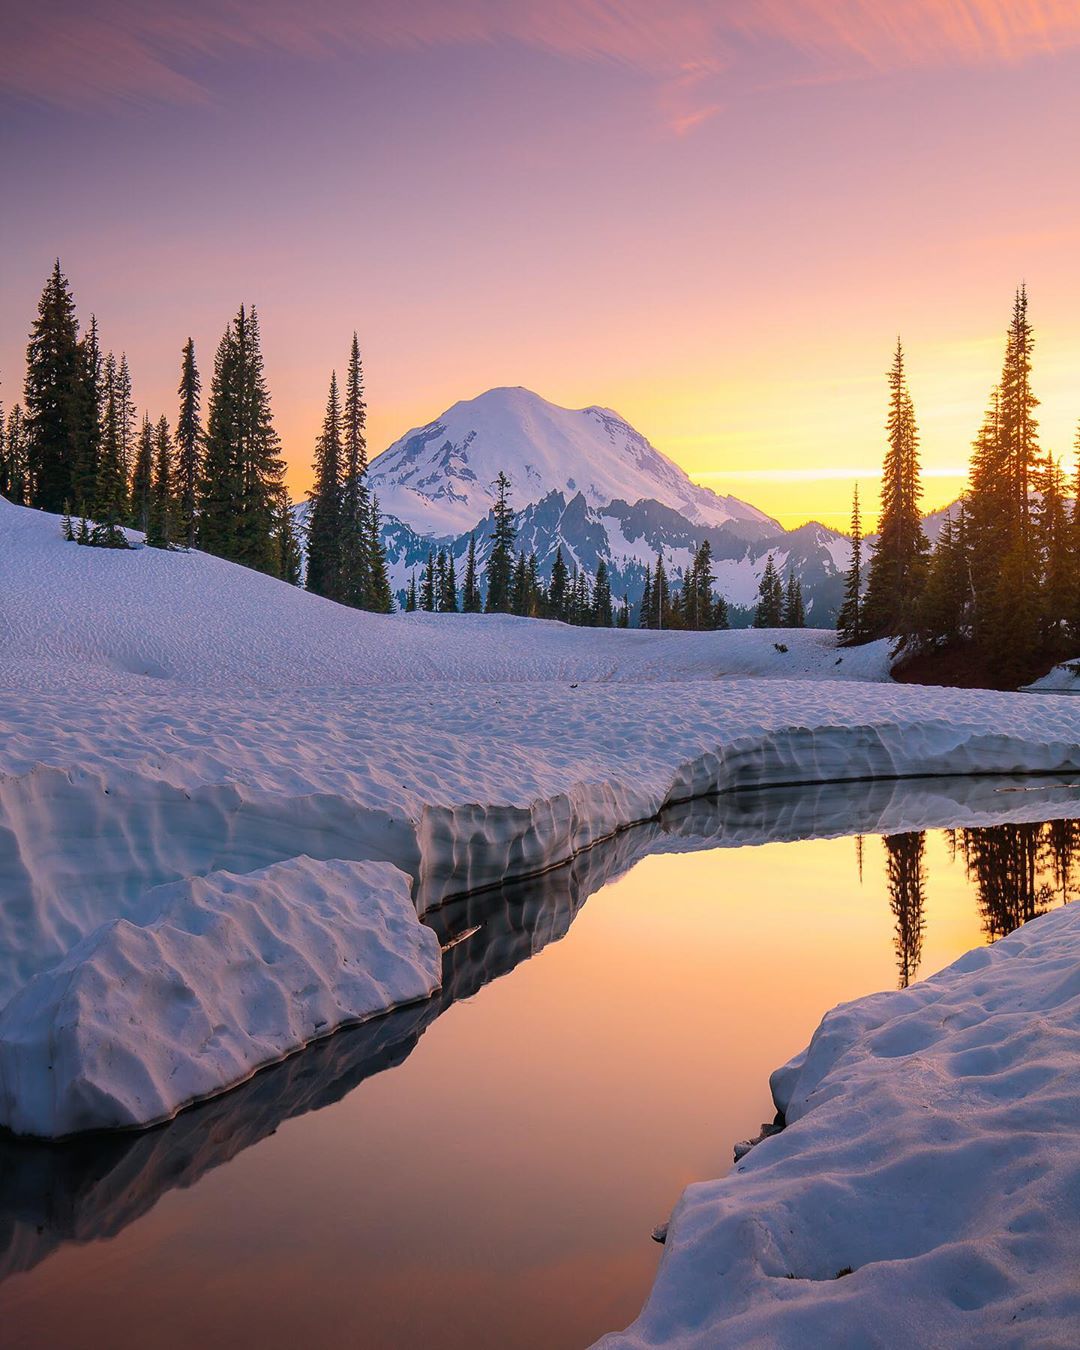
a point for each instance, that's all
(905, 876)
(1017, 872)
(1020, 871)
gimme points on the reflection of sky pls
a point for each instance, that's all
(499, 1186)
(715, 220)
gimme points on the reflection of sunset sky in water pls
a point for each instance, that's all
(499, 1186)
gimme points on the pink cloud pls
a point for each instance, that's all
(75, 51)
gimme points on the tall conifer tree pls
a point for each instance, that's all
(470, 595)
(326, 523)
(358, 584)
(501, 559)
(55, 403)
(189, 443)
(849, 619)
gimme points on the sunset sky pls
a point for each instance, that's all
(713, 217)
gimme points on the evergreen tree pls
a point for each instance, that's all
(428, 591)
(519, 587)
(108, 505)
(410, 596)
(126, 418)
(602, 610)
(358, 583)
(623, 620)
(558, 594)
(720, 617)
(448, 602)
(897, 566)
(501, 559)
(92, 399)
(849, 620)
(142, 478)
(380, 599)
(906, 880)
(470, 596)
(944, 607)
(17, 472)
(65, 524)
(770, 605)
(189, 443)
(55, 399)
(239, 500)
(645, 618)
(287, 545)
(660, 600)
(162, 509)
(794, 611)
(326, 520)
(1054, 559)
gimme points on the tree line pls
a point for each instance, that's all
(76, 446)
(1000, 591)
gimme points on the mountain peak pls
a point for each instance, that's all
(439, 478)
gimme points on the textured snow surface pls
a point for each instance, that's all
(167, 716)
(1063, 679)
(438, 478)
(223, 975)
(931, 1149)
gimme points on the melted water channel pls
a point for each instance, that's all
(485, 1169)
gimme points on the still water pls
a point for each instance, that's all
(485, 1170)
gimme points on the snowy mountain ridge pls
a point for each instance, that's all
(439, 479)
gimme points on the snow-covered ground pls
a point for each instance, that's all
(165, 716)
(1063, 679)
(926, 1190)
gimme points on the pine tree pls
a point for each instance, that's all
(602, 611)
(1054, 557)
(92, 396)
(109, 500)
(162, 510)
(358, 587)
(410, 596)
(142, 477)
(380, 599)
(769, 612)
(660, 600)
(897, 567)
(242, 480)
(65, 523)
(55, 401)
(189, 444)
(126, 418)
(448, 603)
(849, 620)
(501, 559)
(645, 617)
(557, 592)
(794, 611)
(944, 606)
(428, 592)
(519, 587)
(720, 619)
(326, 520)
(287, 545)
(470, 596)
(623, 620)
(17, 472)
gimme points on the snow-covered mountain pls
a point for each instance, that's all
(439, 479)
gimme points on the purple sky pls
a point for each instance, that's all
(712, 217)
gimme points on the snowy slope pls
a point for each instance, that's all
(438, 479)
(168, 716)
(924, 1192)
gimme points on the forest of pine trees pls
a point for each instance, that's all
(997, 600)
(75, 446)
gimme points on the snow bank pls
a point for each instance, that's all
(229, 974)
(168, 716)
(1063, 679)
(192, 619)
(927, 1186)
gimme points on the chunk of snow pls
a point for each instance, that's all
(931, 1150)
(229, 974)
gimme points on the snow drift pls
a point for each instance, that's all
(926, 1188)
(170, 716)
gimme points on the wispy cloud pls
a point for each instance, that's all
(78, 51)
